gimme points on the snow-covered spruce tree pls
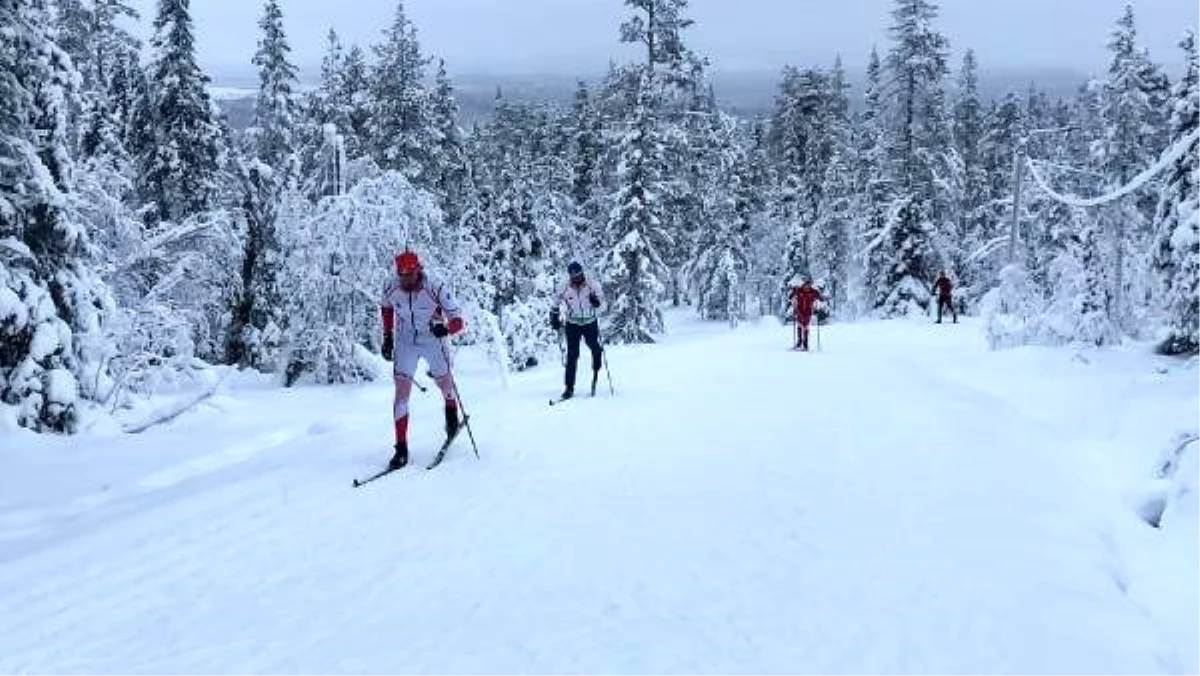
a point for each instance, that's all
(1048, 222)
(633, 269)
(1177, 249)
(722, 265)
(342, 99)
(766, 239)
(916, 142)
(836, 208)
(257, 320)
(321, 140)
(52, 350)
(976, 217)
(874, 188)
(401, 136)
(1005, 129)
(801, 146)
(92, 34)
(1092, 321)
(271, 135)
(179, 144)
(1131, 111)
(586, 139)
(674, 83)
(524, 217)
(452, 182)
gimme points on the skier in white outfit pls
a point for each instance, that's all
(417, 311)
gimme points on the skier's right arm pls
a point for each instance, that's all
(387, 316)
(556, 310)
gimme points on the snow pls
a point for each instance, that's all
(903, 501)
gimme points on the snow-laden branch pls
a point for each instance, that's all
(1173, 153)
(987, 248)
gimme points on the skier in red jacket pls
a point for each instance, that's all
(943, 287)
(805, 298)
(417, 311)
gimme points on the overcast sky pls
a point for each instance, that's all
(580, 36)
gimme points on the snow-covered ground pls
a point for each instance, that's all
(902, 501)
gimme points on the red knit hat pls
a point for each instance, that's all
(407, 263)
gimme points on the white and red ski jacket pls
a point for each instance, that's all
(409, 314)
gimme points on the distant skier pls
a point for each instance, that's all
(804, 298)
(580, 298)
(420, 310)
(944, 289)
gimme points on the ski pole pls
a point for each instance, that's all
(458, 397)
(607, 373)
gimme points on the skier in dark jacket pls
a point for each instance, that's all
(580, 298)
(943, 287)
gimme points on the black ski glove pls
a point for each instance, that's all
(439, 330)
(387, 346)
(594, 300)
(555, 320)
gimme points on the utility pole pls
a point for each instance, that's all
(1014, 227)
(1018, 153)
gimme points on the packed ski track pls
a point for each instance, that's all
(898, 502)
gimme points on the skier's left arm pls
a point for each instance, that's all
(453, 313)
(595, 294)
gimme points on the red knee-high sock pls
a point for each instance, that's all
(402, 429)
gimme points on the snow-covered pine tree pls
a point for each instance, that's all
(836, 209)
(1132, 116)
(801, 145)
(658, 25)
(585, 147)
(524, 226)
(916, 142)
(401, 136)
(342, 97)
(874, 188)
(766, 238)
(52, 349)
(722, 266)
(675, 82)
(452, 184)
(323, 133)
(1006, 133)
(179, 142)
(633, 269)
(1176, 222)
(976, 215)
(107, 55)
(257, 319)
(271, 135)
(1047, 221)
(1088, 316)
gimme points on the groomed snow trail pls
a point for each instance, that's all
(737, 507)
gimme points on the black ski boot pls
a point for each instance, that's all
(568, 393)
(400, 458)
(452, 421)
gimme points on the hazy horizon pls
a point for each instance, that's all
(475, 36)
